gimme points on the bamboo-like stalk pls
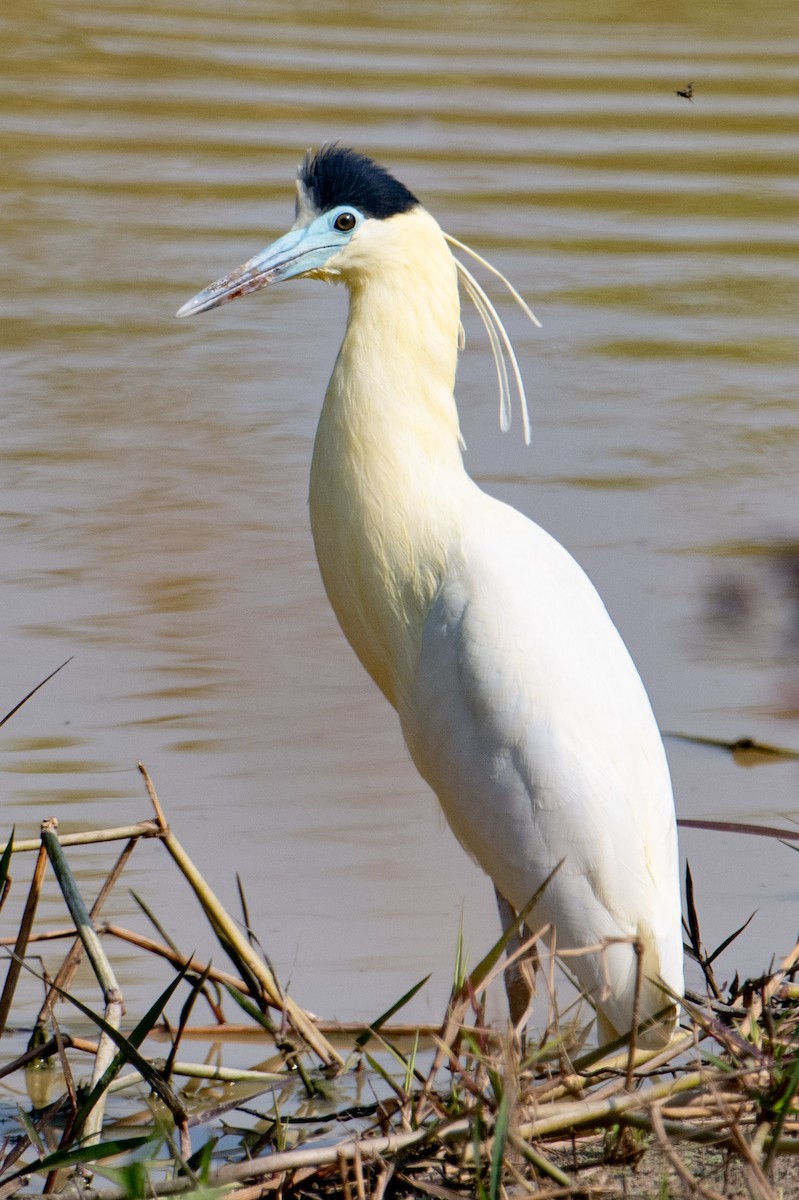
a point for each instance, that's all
(539, 1160)
(106, 1049)
(568, 1085)
(218, 1074)
(569, 1116)
(21, 942)
(640, 1108)
(66, 972)
(112, 995)
(710, 1133)
(564, 1116)
(343, 1029)
(79, 913)
(228, 931)
(317, 1156)
(47, 1050)
(92, 837)
(703, 1106)
(280, 1162)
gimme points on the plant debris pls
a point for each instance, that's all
(343, 1111)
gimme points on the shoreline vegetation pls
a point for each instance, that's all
(118, 1109)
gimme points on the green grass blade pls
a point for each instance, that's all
(128, 1052)
(32, 1132)
(363, 1038)
(410, 1069)
(133, 1179)
(729, 940)
(477, 1137)
(80, 1154)
(498, 1150)
(459, 970)
(489, 960)
(197, 983)
(311, 1087)
(151, 917)
(91, 1153)
(250, 1008)
(380, 1070)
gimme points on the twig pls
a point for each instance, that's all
(66, 1069)
(757, 1183)
(50, 935)
(172, 956)
(713, 1133)
(46, 1050)
(229, 934)
(691, 1184)
(33, 691)
(568, 1085)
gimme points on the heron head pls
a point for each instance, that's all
(338, 193)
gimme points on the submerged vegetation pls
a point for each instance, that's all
(387, 1110)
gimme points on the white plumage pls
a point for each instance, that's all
(519, 702)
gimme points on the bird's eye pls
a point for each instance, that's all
(344, 222)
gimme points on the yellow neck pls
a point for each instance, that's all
(387, 466)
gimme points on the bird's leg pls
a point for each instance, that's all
(520, 975)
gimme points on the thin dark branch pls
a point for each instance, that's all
(33, 691)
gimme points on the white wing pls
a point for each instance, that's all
(530, 722)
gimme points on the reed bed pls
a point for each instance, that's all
(463, 1109)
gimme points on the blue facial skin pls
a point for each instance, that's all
(302, 250)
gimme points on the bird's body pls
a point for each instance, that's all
(519, 702)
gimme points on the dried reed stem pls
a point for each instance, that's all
(92, 837)
(50, 935)
(21, 943)
(228, 933)
(561, 1117)
(692, 1186)
(172, 956)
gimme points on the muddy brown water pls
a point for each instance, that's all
(153, 473)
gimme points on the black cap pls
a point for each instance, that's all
(335, 176)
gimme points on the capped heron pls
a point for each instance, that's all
(518, 700)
